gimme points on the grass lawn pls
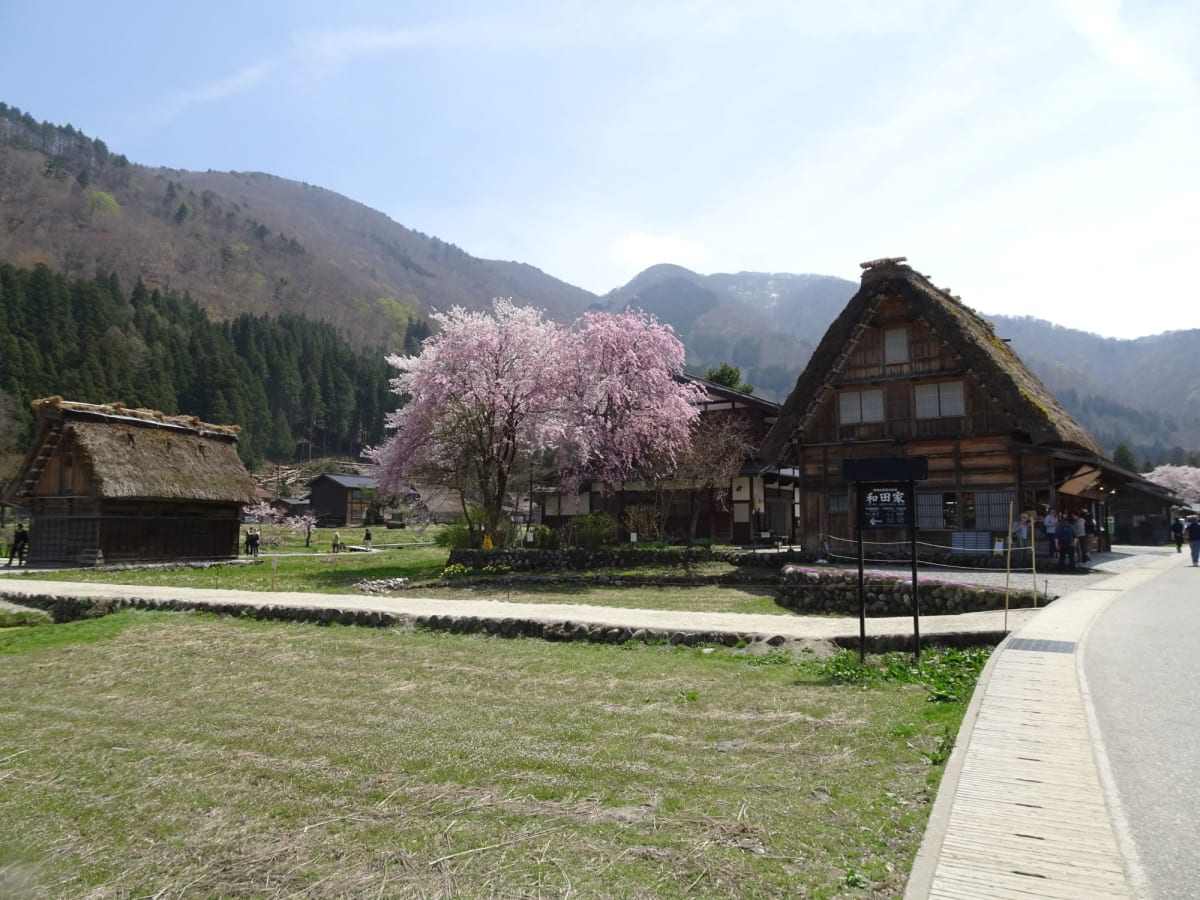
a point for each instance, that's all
(171, 754)
(339, 573)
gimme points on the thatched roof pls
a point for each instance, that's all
(144, 454)
(988, 360)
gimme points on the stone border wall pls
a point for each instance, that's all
(815, 591)
(66, 609)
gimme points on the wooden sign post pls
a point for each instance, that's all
(887, 498)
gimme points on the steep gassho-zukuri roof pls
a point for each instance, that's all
(145, 454)
(988, 359)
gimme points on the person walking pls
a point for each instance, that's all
(1050, 529)
(1177, 529)
(367, 539)
(1066, 545)
(20, 543)
(1193, 536)
(1081, 537)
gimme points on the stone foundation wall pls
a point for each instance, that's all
(815, 591)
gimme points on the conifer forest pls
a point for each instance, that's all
(296, 387)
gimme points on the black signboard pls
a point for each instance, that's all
(886, 505)
(886, 468)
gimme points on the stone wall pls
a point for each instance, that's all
(68, 608)
(816, 591)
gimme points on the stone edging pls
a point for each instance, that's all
(71, 608)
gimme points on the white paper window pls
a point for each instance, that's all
(850, 408)
(855, 407)
(895, 346)
(935, 401)
(950, 396)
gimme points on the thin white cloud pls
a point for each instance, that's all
(1100, 22)
(243, 80)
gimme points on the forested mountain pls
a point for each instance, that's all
(284, 379)
(254, 245)
(239, 242)
(765, 324)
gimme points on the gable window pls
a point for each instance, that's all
(857, 407)
(937, 401)
(895, 346)
(66, 475)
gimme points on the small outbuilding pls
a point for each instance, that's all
(103, 483)
(342, 500)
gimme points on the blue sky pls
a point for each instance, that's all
(1038, 158)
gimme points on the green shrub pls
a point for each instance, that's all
(593, 531)
(544, 538)
(458, 535)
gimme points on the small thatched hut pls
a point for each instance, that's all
(103, 482)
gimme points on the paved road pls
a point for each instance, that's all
(1142, 670)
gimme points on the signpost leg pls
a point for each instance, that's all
(862, 602)
(915, 594)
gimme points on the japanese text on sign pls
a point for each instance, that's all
(885, 506)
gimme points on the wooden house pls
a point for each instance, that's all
(757, 504)
(106, 483)
(907, 370)
(342, 500)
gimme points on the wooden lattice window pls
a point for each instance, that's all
(857, 407)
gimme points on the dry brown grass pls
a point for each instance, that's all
(186, 756)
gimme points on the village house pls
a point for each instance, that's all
(342, 500)
(907, 370)
(103, 483)
(754, 505)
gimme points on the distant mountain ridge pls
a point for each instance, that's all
(239, 242)
(1137, 392)
(252, 242)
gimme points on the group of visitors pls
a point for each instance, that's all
(253, 540)
(1187, 529)
(1068, 537)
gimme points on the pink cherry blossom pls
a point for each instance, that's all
(493, 393)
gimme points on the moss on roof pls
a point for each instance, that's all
(145, 454)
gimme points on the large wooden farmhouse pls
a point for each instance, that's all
(749, 506)
(907, 370)
(105, 483)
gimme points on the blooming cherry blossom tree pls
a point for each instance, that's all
(491, 393)
(482, 394)
(1184, 481)
(629, 413)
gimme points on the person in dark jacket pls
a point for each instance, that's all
(20, 543)
(1193, 536)
(1177, 528)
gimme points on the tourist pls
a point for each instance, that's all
(20, 543)
(1193, 536)
(1177, 529)
(1050, 529)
